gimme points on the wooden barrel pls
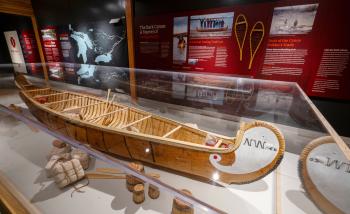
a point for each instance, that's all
(58, 144)
(182, 207)
(138, 195)
(130, 187)
(131, 180)
(153, 191)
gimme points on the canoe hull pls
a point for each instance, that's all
(186, 161)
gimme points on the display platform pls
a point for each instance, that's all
(23, 158)
(282, 190)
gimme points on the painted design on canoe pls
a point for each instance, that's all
(260, 142)
(325, 174)
(135, 134)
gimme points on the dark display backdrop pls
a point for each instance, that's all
(65, 12)
(84, 50)
(87, 41)
(330, 51)
(30, 51)
(92, 44)
(297, 44)
(23, 26)
(97, 43)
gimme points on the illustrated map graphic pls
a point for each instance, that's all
(98, 44)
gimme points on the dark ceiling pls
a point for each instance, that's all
(152, 7)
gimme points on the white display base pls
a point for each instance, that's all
(23, 157)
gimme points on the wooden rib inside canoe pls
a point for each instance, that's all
(241, 29)
(135, 134)
(93, 111)
(256, 37)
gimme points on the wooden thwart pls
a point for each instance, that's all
(137, 121)
(48, 95)
(40, 89)
(27, 85)
(76, 108)
(102, 115)
(61, 101)
(218, 144)
(172, 131)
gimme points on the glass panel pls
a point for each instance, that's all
(194, 109)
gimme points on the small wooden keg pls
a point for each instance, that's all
(138, 195)
(131, 180)
(130, 187)
(58, 144)
(153, 191)
(15, 108)
(182, 207)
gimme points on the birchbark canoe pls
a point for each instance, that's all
(212, 29)
(131, 133)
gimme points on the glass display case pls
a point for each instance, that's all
(205, 143)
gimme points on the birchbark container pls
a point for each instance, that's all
(131, 180)
(182, 207)
(153, 191)
(138, 195)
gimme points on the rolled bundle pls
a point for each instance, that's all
(62, 150)
(48, 168)
(182, 207)
(83, 157)
(131, 180)
(55, 159)
(67, 172)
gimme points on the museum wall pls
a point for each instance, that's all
(16, 23)
(80, 38)
(273, 40)
(155, 7)
(61, 23)
(316, 58)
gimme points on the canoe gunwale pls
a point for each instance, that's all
(141, 136)
(321, 202)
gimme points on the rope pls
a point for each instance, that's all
(77, 189)
(65, 173)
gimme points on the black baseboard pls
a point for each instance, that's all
(336, 112)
